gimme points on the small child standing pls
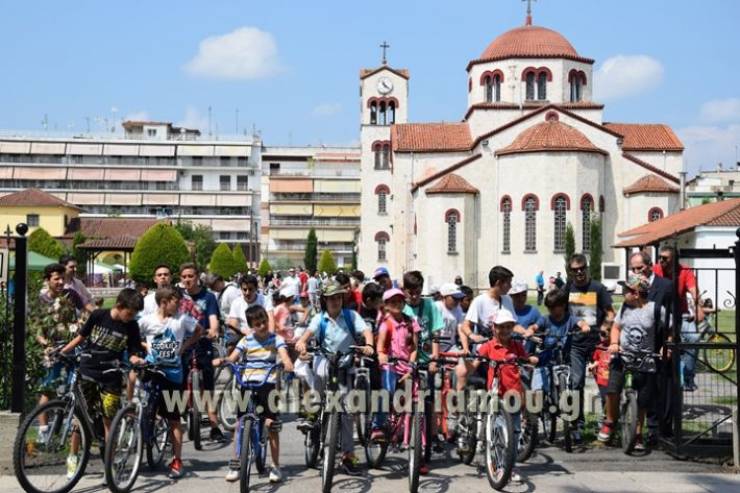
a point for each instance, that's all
(600, 369)
(259, 351)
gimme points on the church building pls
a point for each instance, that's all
(531, 155)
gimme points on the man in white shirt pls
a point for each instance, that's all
(162, 279)
(237, 318)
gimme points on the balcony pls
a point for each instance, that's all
(315, 222)
(317, 173)
(315, 197)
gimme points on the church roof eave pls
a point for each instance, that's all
(445, 171)
(480, 61)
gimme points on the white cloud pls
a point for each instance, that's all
(137, 116)
(626, 75)
(246, 53)
(721, 110)
(194, 119)
(708, 145)
(327, 109)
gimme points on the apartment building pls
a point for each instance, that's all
(153, 170)
(310, 187)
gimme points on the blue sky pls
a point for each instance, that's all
(297, 78)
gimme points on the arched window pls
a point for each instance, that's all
(452, 217)
(497, 87)
(542, 86)
(391, 113)
(377, 147)
(386, 161)
(530, 206)
(560, 207)
(530, 86)
(655, 214)
(382, 192)
(577, 79)
(506, 236)
(373, 113)
(383, 113)
(381, 153)
(382, 238)
(587, 207)
(488, 83)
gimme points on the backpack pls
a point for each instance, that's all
(348, 321)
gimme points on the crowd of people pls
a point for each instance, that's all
(272, 319)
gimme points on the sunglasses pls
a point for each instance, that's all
(578, 270)
(665, 258)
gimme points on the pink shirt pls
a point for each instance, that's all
(399, 339)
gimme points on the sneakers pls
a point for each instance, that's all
(423, 469)
(276, 476)
(377, 435)
(72, 461)
(351, 465)
(216, 435)
(515, 477)
(43, 435)
(305, 425)
(605, 433)
(175, 468)
(639, 444)
(233, 474)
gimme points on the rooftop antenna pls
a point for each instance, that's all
(528, 21)
(45, 123)
(385, 46)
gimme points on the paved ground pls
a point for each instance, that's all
(593, 469)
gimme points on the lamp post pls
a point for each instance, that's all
(19, 319)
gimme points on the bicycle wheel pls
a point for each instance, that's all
(362, 418)
(157, 447)
(123, 450)
(427, 430)
(500, 448)
(375, 450)
(467, 438)
(194, 414)
(227, 407)
(245, 455)
(40, 460)
(567, 425)
(329, 452)
(259, 444)
(628, 416)
(415, 451)
(528, 436)
(719, 360)
(312, 445)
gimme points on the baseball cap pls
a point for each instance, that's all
(518, 286)
(433, 290)
(504, 316)
(392, 293)
(380, 272)
(636, 282)
(451, 289)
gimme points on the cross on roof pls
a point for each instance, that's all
(528, 22)
(385, 46)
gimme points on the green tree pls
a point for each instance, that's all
(570, 244)
(40, 241)
(327, 263)
(264, 267)
(312, 251)
(240, 260)
(201, 237)
(222, 261)
(160, 244)
(78, 254)
(596, 249)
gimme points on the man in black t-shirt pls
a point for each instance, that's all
(588, 300)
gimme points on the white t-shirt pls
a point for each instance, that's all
(452, 319)
(228, 296)
(150, 304)
(165, 338)
(483, 311)
(239, 309)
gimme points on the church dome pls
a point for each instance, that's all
(550, 136)
(529, 42)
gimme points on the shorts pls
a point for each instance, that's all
(53, 379)
(644, 383)
(170, 388)
(103, 397)
(260, 398)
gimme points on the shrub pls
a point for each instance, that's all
(161, 244)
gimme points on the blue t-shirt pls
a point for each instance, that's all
(525, 317)
(208, 305)
(555, 332)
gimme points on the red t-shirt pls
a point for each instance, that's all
(510, 379)
(303, 277)
(603, 358)
(686, 281)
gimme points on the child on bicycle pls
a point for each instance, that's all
(336, 329)
(167, 336)
(632, 344)
(106, 334)
(260, 351)
(503, 348)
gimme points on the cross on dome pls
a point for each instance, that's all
(528, 21)
(385, 46)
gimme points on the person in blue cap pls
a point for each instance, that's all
(383, 277)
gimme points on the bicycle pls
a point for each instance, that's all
(629, 411)
(37, 455)
(361, 383)
(250, 433)
(404, 429)
(194, 385)
(133, 426)
(719, 360)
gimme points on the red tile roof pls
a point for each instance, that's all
(650, 184)
(550, 136)
(530, 42)
(725, 213)
(445, 171)
(367, 72)
(33, 197)
(452, 183)
(120, 243)
(646, 136)
(115, 227)
(431, 137)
